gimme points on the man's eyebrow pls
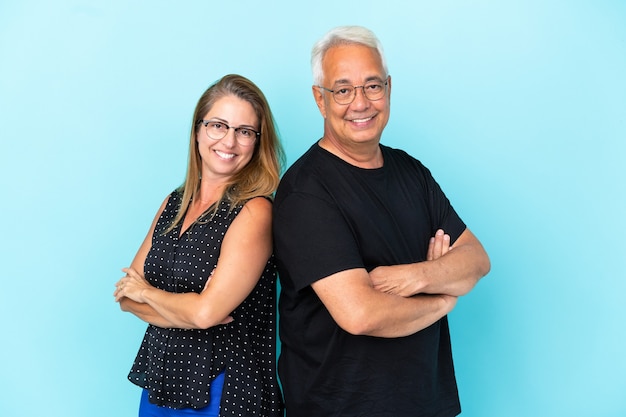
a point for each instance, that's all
(344, 81)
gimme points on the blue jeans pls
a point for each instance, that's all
(147, 409)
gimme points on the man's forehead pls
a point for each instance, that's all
(352, 64)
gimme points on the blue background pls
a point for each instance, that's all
(518, 107)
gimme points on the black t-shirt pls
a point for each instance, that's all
(330, 216)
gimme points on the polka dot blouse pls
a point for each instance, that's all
(178, 365)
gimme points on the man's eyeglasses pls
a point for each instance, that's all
(345, 94)
(216, 130)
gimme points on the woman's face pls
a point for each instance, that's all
(225, 157)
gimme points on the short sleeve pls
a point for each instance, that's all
(444, 215)
(308, 229)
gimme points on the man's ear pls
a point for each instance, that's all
(318, 95)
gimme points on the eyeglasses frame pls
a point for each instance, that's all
(362, 87)
(205, 123)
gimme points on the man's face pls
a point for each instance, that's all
(362, 120)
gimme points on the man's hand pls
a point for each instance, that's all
(398, 279)
(438, 246)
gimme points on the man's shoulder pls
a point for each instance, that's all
(308, 166)
(396, 152)
(301, 176)
(399, 158)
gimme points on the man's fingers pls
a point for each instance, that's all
(431, 246)
(438, 246)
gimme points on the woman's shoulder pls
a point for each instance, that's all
(260, 204)
(256, 209)
(172, 200)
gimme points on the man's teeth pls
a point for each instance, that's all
(361, 120)
(225, 155)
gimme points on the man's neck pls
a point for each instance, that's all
(362, 155)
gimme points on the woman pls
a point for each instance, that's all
(204, 278)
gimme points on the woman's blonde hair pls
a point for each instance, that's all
(261, 175)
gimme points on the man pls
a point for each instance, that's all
(366, 270)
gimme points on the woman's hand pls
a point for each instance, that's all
(132, 286)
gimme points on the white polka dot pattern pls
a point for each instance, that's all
(178, 365)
